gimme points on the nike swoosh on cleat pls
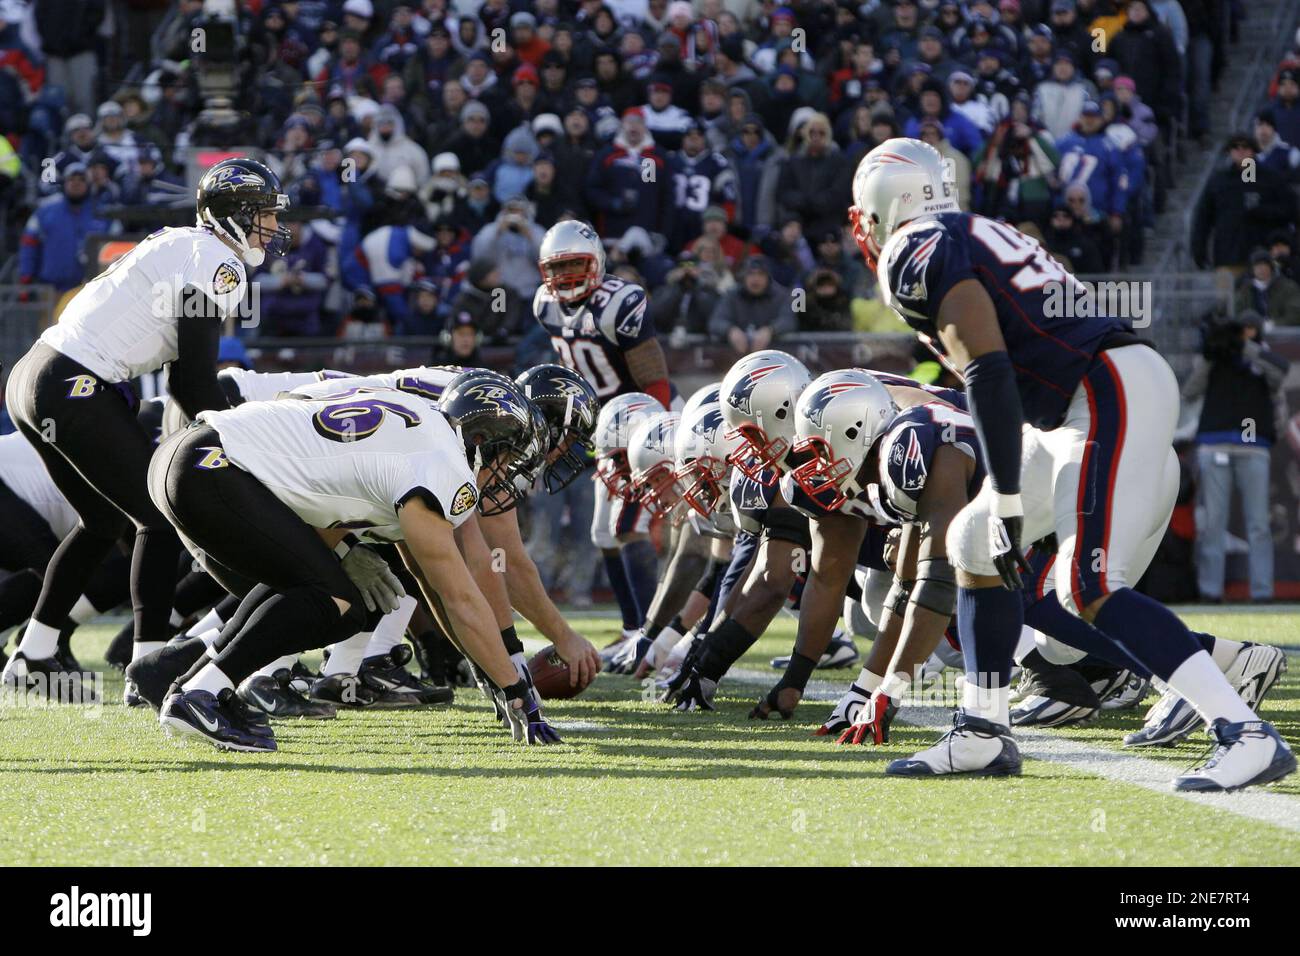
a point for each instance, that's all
(211, 726)
(267, 705)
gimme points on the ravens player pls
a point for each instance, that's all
(600, 327)
(163, 302)
(1092, 466)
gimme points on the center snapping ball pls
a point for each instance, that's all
(551, 675)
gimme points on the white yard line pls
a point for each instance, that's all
(1279, 809)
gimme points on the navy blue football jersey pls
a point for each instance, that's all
(1050, 347)
(698, 183)
(952, 396)
(750, 500)
(907, 453)
(592, 337)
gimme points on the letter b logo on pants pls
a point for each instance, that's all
(83, 386)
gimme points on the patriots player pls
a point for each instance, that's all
(702, 177)
(163, 302)
(600, 328)
(1095, 466)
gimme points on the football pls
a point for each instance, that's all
(551, 675)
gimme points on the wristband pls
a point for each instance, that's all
(1007, 506)
(349, 542)
(797, 674)
(516, 691)
(511, 640)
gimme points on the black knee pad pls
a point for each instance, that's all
(786, 524)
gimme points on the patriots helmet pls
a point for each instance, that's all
(758, 396)
(839, 417)
(650, 456)
(614, 425)
(572, 261)
(895, 183)
(704, 448)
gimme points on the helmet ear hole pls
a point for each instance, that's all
(851, 433)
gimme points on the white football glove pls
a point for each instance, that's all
(846, 712)
(379, 586)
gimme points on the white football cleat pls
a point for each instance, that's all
(1167, 722)
(974, 746)
(1254, 671)
(1249, 753)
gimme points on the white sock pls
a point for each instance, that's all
(208, 637)
(175, 620)
(990, 703)
(82, 611)
(1199, 681)
(346, 656)
(1225, 652)
(895, 685)
(210, 679)
(140, 648)
(211, 620)
(39, 640)
(1025, 644)
(391, 628)
(868, 681)
(269, 670)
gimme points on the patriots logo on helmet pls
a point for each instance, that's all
(817, 405)
(708, 425)
(657, 438)
(743, 392)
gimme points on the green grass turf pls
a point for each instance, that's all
(634, 784)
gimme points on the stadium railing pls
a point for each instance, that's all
(24, 311)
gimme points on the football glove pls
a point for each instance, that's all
(628, 656)
(379, 586)
(1004, 545)
(696, 692)
(846, 711)
(873, 719)
(527, 725)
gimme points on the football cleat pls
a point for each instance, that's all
(846, 711)
(840, 652)
(198, 713)
(1254, 671)
(1104, 679)
(45, 677)
(301, 677)
(275, 697)
(1169, 721)
(1129, 696)
(1051, 695)
(974, 746)
(1248, 753)
(151, 676)
(395, 686)
(343, 690)
(119, 648)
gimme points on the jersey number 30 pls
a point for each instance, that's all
(589, 361)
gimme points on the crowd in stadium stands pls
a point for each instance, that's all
(712, 144)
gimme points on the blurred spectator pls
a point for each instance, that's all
(292, 288)
(788, 254)
(459, 341)
(629, 185)
(472, 144)
(444, 188)
(714, 225)
(755, 313)
(512, 244)
(827, 305)
(1239, 381)
(489, 304)
(666, 121)
(757, 160)
(1242, 203)
(1133, 177)
(1065, 239)
(1014, 170)
(1133, 112)
(431, 68)
(1146, 52)
(1275, 153)
(1059, 100)
(1265, 291)
(53, 239)
(1088, 158)
(478, 208)
(961, 89)
(364, 320)
(1286, 107)
(114, 138)
(814, 180)
(701, 178)
(425, 313)
(1070, 35)
(105, 193)
(957, 129)
(685, 303)
(511, 174)
(391, 253)
(69, 32)
(1281, 247)
(1204, 28)
(394, 149)
(525, 102)
(1088, 219)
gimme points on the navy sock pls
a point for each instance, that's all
(642, 566)
(1147, 630)
(989, 622)
(1056, 622)
(617, 574)
(1206, 641)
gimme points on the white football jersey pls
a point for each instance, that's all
(267, 386)
(123, 322)
(350, 462)
(22, 470)
(427, 382)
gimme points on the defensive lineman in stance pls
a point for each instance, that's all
(71, 397)
(1094, 464)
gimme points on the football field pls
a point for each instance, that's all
(634, 783)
